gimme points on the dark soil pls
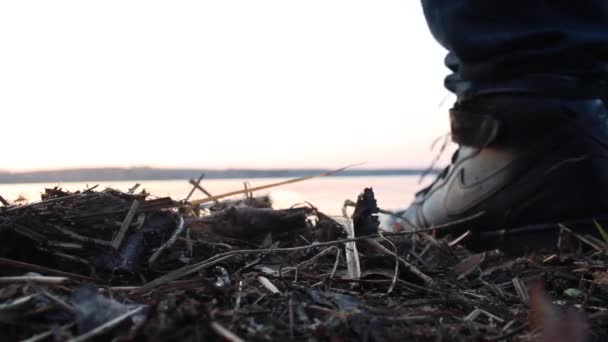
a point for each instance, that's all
(239, 270)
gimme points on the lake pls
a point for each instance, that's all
(328, 194)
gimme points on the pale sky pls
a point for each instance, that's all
(214, 84)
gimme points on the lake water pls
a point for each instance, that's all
(328, 194)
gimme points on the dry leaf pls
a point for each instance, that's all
(554, 325)
(468, 265)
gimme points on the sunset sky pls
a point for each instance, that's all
(214, 84)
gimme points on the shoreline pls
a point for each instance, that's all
(150, 174)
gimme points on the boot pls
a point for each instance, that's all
(525, 165)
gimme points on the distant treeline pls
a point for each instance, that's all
(118, 174)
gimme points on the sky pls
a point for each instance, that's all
(218, 84)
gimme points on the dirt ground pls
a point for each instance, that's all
(106, 265)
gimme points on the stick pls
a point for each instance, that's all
(521, 290)
(33, 279)
(81, 238)
(248, 194)
(31, 267)
(189, 269)
(595, 246)
(477, 312)
(16, 303)
(225, 333)
(195, 185)
(44, 335)
(396, 275)
(291, 319)
(65, 245)
(377, 246)
(268, 186)
(72, 258)
(352, 254)
(204, 191)
(307, 263)
(125, 225)
(132, 190)
(335, 268)
(58, 301)
(169, 242)
(460, 238)
(268, 285)
(37, 204)
(4, 202)
(118, 288)
(107, 326)
(506, 336)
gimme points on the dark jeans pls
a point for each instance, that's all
(547, 47)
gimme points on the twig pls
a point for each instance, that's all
(4, 202)
(475, 313)
(41, 203)
(107, 326)
(91, 188)
(204, 191)
(335, 268)
(396, 276)
(73, 258)
(438, 227)
(376, 245)
(509, 334)
(508, 325)
(352, 254)
(521, 290)
(237, 304)
(44, 335)
(268, 285)
(424, 250)
(28, 233)
(58, 301)
(291, 319)
(225, 333)
(307, 263)
(33, 279)
(31, 267)
(596, 247)
(118, 289)
(134, 188)
(248, 194)
(267, 186)
(125, 225)
(405, 318)
(81, 238)
(189, 244)
(186, 270)
(442, 148)
(169, 242)
(65, 245)
(195, 185)
(460, 238)
(16, 303)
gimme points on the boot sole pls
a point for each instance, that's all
(544, 235)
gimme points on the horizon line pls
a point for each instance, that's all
(208, 169)
(148, 173)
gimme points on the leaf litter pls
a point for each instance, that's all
(109, 265)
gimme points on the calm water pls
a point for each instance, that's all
(328, 194)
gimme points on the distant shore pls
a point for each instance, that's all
(126, 174)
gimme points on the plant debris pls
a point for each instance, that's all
(127, 266)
